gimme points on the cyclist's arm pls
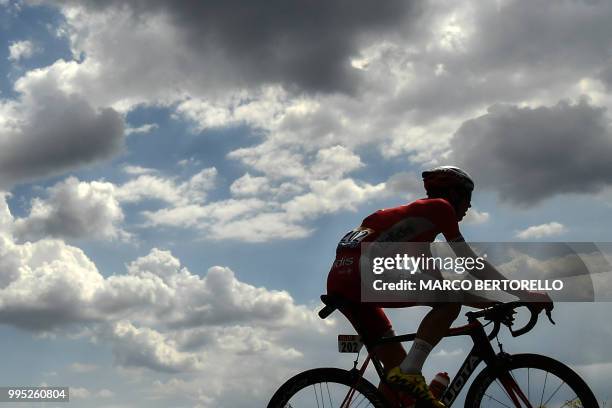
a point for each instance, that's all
(448, 225)
(489, 272)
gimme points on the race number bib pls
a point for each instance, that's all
(349, 343)
(353, 238)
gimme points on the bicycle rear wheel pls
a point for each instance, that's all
(542, 381)
(327, 388)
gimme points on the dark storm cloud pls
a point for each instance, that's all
(606, 76)
(506, 52)
(61, 133)
(528, 155)
(297, 43)
(544, 34)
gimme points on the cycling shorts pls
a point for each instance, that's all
(368, 318)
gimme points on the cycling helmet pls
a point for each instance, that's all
(444, 177)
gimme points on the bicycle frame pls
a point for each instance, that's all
(481, 351)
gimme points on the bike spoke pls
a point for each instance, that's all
(520, 392)
(543, 389)
(503, 389)
(363, 398)
(322, 398)
(553, 394)
(528, 384)
(314, 387)
(498, 401)
(331, 404)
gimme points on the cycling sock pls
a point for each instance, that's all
(413, 363)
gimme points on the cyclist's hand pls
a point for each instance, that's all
(538, 301)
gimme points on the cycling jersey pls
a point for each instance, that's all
(419, 221)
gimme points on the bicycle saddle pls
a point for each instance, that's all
(332, 302)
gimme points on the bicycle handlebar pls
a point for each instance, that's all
(504, 313)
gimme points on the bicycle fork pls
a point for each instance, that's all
(514, 391)
(509, 385)
(349, 396)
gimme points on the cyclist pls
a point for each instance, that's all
(449, 191)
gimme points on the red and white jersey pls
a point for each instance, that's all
(420, 221)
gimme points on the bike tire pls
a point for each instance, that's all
(294, 385)
(484, 380)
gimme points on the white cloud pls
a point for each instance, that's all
(137, 170)
(263, 208)
(307, 138)
(74, 209)
(550, 229)
(146, 128)
(335, 161)
(253, 219)
(191, 161)
(48, 283)
(262, 227)
(157, 187)
(330, 196)
(146, 347)
(474, 217)
(19, 50)
(386, 107)
(248, 185)
(158, 316)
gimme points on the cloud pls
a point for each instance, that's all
(148, 186)
(248, 185)
(74, 209)
(270, 43)
(146, 128)
(550, 229)
(262, 208)
(475, 217)
(530, 154)
(47, 284)
(405, 183)
(145, 347)
(452, 49)
(252, 219)
(46, 131)
(161, 318)
(262, 227)
(158, 316)
(329, 196)
(137, 170)
(21, 50)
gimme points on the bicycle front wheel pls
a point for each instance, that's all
(530, 380)
(327, 388)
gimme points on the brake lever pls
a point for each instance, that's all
(549, 315)
(509, 320)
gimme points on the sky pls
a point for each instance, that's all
(174, 177)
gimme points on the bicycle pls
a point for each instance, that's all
(506, 381)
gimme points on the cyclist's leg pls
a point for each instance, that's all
(371, 322)
(436, 323)
(368, 319)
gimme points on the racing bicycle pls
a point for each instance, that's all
(507, 380)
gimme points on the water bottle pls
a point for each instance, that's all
(438, 384)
